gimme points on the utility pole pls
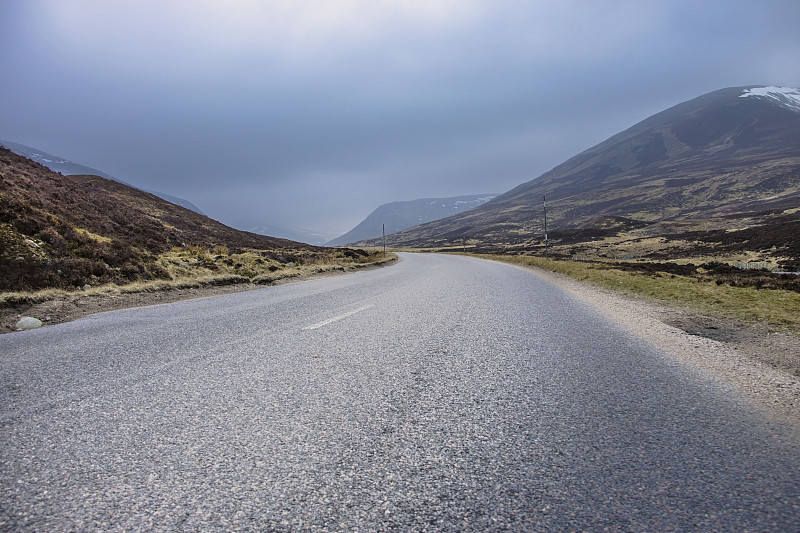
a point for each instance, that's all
(384, 241)
(545, 226)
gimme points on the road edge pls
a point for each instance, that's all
(773, 390)
(75, 306)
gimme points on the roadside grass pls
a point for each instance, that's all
(778, 309)
(196, 267)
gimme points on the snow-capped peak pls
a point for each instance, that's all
(785, 96)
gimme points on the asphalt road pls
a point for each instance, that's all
(439, 394)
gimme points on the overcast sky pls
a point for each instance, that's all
(312, 113)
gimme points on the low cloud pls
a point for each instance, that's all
(313, 113)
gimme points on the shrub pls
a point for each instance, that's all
(52, 237)
(197, 252)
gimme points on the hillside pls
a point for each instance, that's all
(70, 168)
(66, 231)
(398, 216)
(728, 160)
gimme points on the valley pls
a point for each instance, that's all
(397, 216)
(707, 191)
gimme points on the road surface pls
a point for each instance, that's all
(440, 394)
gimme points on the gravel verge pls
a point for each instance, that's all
(763, 364)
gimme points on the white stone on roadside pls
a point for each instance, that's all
(87, 287)
(28, 322)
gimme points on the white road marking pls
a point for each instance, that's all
(336, 318)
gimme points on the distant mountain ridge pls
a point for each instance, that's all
(315, 238)
(728, 152)
(70, 168)
(398, 216)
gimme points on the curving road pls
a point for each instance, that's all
(442, 393)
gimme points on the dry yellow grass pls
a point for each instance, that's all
(95, 236)
(195, 267)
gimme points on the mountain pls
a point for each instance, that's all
(702, 164)
(312, 237)
(66, 231)
(69, 168)
(401, 215)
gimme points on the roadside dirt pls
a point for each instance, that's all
(763, 365)
(78, 305)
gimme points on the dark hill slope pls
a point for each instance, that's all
(70, 168)
(63, 231)
(718, 155)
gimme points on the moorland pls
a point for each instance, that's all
(97, 242)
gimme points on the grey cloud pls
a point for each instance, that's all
(291, 117)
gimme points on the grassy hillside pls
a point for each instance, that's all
(65, 232)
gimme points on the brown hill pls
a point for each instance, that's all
(65, 231)
(718, 162)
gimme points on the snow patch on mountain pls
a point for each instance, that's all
(786, 96)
